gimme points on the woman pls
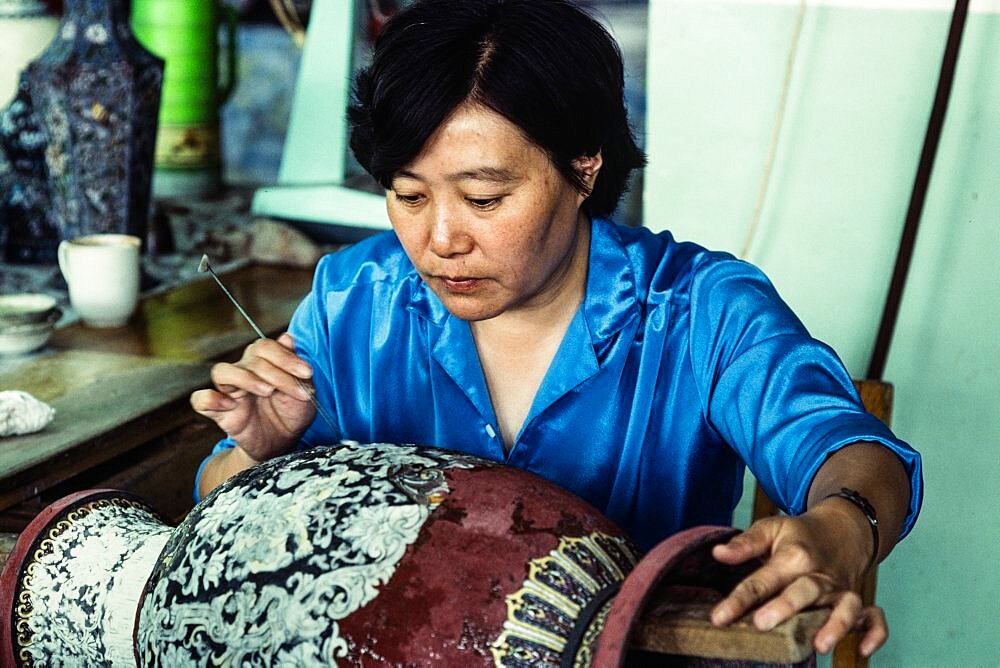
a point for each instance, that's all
(506, 317)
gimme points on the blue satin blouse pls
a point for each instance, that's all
(680, 366)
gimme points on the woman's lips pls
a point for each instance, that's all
(460, 284)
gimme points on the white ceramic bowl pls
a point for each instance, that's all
(26, 308)
(26, 322)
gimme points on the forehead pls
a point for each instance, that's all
(477, 143)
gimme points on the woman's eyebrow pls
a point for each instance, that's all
(492, 174)
(405, 174)
(499, 175)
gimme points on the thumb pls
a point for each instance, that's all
(754, 542)
(287, 341)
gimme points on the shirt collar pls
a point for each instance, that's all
(610, 302)
(423, 302)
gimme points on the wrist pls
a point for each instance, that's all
(851, 531)
(241, 458)
(866, 509)
(227, 460)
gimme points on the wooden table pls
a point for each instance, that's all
(121, 396)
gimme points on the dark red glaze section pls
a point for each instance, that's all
(472, 553)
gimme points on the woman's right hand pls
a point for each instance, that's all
(258, 401)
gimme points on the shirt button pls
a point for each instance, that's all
(490, 431)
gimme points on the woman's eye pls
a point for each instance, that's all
(484, 203)
(409, 200)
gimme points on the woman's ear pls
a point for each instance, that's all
(588, 166)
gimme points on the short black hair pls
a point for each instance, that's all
(544, 65)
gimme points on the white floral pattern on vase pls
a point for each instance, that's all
(76, 599)
(262, 571)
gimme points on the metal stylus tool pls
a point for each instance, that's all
(204, 266)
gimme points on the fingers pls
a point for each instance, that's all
(800, 571)
(875, 630)
(790, 576)
(754, 542)
(235, 381)
(757, 541)
(222, 409)
(844, 617)
(268, 370)
(799, 595)
(849, 616)
(211, 401)
(263, 401)
(287, 341)
(280, 353)
(758, 586)
(266, 366)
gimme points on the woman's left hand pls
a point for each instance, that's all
(810, 560)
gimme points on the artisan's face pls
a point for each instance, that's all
(485, 217)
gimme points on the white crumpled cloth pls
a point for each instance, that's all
(21, 413)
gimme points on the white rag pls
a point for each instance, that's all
(21, 413)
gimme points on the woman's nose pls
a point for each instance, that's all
(449, 236)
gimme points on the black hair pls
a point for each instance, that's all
(544, 65)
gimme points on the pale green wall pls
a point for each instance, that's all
(860, 94)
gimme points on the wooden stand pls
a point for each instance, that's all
(684, 629)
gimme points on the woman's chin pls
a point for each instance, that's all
(471, 308)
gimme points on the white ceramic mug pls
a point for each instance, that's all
(102, 271)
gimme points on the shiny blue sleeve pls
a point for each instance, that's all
(225, 444)
(783, 400)
(310, 329)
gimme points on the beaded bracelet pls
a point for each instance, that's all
(869, 512)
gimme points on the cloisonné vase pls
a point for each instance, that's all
(26, 26)
(95, 94)
(27, 233)
(351, 555)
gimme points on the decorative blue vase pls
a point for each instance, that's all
(95, 93)
(26, 230)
